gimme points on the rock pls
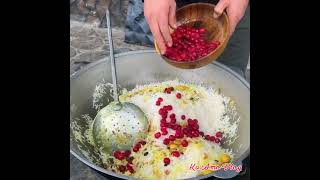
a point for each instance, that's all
(89, 57)
(87, 43)
(78, 30)
(121, 50)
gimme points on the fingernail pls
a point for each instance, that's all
(169, 44)
(162, 52)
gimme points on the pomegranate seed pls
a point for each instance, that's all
(164, 115)
(135, 149)
(157, 135)
(122, 168)
(183, 56)
(219, 134)
(201, 133)
(189, 129)
(195, 133)
(168, 90)
(212, 138)
(163, 121)
(162, 124)
(166, 161)
(172, 137)
(178, 127)
(184, 143)
(116, 154)
(158, 103)
(185, 37)
(127, 153)
(161, 110)
(130, 168)
(165, 132)
(207, 137)
(196, 126)
(190, 122)
(163, 129)
(160, 99)
(183, 117)
(138, 145)
(171, 125)
(178, 134)
(169, 107)
(178, 95)
(173, 121)
(217, 140)
(202, 30)
(120, 156)
(175, 153)
(185, 131)
(195, 121)
(172, 116)
(166, 141)
(142, 142)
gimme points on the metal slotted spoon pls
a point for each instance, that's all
(118, 126)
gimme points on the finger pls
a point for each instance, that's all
(231, 30)
(233, 21)
(220, 7)
(172, 16)
(164, 28)
(157, 35)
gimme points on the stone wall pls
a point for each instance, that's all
(88, 41)
(93, 11)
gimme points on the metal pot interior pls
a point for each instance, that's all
(141, 67)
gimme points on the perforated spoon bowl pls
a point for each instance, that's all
(118, 126)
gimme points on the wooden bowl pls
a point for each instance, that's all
(201, 15)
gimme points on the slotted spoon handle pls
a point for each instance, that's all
(113, 65)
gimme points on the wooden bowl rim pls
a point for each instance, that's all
(225, 40)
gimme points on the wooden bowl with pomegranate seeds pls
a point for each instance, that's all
(197, 16)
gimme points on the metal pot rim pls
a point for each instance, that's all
(221, 66)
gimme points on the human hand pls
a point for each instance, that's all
(235, 10)
(161, 15)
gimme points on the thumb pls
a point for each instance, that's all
(220, 7)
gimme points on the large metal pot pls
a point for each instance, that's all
(141, 67)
